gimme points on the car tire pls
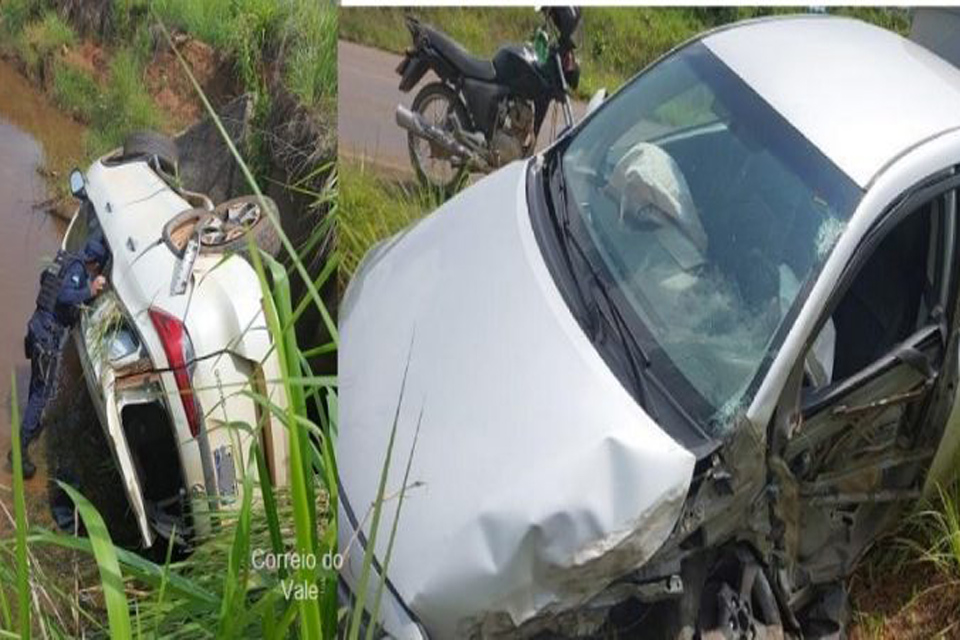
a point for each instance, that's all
(150, 144)
(737, 600)
(265, 235)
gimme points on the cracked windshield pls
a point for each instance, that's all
(711, 214)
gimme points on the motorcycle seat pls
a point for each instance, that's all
(470, 66)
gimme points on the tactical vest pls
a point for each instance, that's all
(50, 282)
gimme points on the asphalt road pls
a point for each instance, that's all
(367, 98)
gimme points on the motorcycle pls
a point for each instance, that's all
(482, 114)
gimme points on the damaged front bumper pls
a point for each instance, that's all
(604, 576)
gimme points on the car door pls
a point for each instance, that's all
(861, 445)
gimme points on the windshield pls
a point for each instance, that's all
(711, 216)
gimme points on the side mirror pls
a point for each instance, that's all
(595, 101)
(78, 186)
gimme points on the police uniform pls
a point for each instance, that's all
(64, 287)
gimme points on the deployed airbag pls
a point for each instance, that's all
(650, 187)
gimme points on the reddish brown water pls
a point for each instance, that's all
(33, 134)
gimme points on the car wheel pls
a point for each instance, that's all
(224, 230)
(156, 147)
(737, 602)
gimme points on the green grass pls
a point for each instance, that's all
(311, 64)
(75, 91)
(372, 208)
(14, 15)
(42, 38)
(20, 511)
(617, 42)
(935, 530)
(247, 29)
(126, 105)
(112, 111)
(120, 106)
(251, 32)
(210, 21)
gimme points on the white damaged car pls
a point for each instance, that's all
(681, 369)
(176, 347)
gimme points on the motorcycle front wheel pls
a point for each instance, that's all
(435, 167)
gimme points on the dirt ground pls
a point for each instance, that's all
(90, 58)
(172, 90)
(912, 602)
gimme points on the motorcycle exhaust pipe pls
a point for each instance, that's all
(415, 123)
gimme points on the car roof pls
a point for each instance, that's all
(861, 94)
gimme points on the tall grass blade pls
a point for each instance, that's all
(301, 483)
(137, 567)
(270, 508)
(235, 582)
(20, 515)
(5, 611)
(356, 620)
(375, 614)
(111, 579)
(163, 578)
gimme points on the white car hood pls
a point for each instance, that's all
(536, 479)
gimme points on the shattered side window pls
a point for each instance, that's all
(711, 214)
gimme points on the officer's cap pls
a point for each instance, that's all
(94, 251)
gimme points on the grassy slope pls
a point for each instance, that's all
(617, 41)
(242, 27)
(118, 103)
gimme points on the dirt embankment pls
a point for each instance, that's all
(298, 139)
(288, 141)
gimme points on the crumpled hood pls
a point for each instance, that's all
(536, 478)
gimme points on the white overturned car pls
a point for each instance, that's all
(175, 347)
(681, 369)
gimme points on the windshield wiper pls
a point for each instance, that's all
(639, 360)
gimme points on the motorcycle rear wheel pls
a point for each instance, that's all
(436, 170)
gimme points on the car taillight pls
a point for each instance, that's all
(179, 349)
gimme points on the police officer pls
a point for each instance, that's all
(71, 281)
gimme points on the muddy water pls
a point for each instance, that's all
(32, 135)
